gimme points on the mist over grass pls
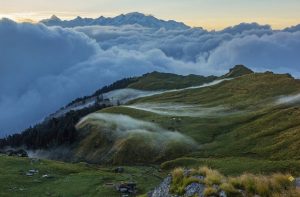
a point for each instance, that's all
(173, 109)
(291, 99)
(128, 140)
(124, 126)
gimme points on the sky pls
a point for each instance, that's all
(210, 14)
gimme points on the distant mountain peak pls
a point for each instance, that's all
(237, 71)
(54, 17)
(136, 14)
(78, 18)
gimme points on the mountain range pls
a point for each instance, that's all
(123, 19)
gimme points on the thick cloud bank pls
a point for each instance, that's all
(43, 68)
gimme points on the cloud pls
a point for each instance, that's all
(43, 68)
(288, 99)
(277, 52)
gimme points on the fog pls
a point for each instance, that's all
(173, 109)
(123, 126)
(292, 99)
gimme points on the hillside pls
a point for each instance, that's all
(58, 129)
(249, 115)
(243, 117)
(240, 122)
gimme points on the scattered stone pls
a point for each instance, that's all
(127, 188)
(222, 194)
(119, 170)
(29, 174)
(32, 172)
(194, 189)
(47, 176)
(297, 181)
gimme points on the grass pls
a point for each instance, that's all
(70, 179)
(237, 165)
(166, 81)
(250, 184)
(259, 129)
(210, 191)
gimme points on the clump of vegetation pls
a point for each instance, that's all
(180, 180)
(229, 189)
(247, 184)
(210, 191)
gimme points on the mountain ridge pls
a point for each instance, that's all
(148, 82)
(120, 20)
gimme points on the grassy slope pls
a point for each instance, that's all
(262, 130)
(69, 179)
(166, 81)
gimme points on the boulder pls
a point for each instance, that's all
(194, 189)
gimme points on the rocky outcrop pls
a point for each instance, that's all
(163, 190)
(194, 189)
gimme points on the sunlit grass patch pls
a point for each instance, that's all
(249, 184)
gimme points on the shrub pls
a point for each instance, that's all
(213, 177)
(210, 191)
(229, 189)
(248, 183)
(236, 182)
(178, 175)
(279, 182)
(203, 171)
(262, 186)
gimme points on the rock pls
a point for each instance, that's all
(31, 172)
(222, 194)
(119, 170)
(127, 188)
(194, 189)
(297, 181)
(163, 189)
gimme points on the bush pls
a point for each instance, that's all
(213, 177)
(210, 191)
(229, 189)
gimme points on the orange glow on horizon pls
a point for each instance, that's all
(209, 24)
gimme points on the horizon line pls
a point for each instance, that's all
(35, 18)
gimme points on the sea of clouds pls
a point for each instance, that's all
(43, 68)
